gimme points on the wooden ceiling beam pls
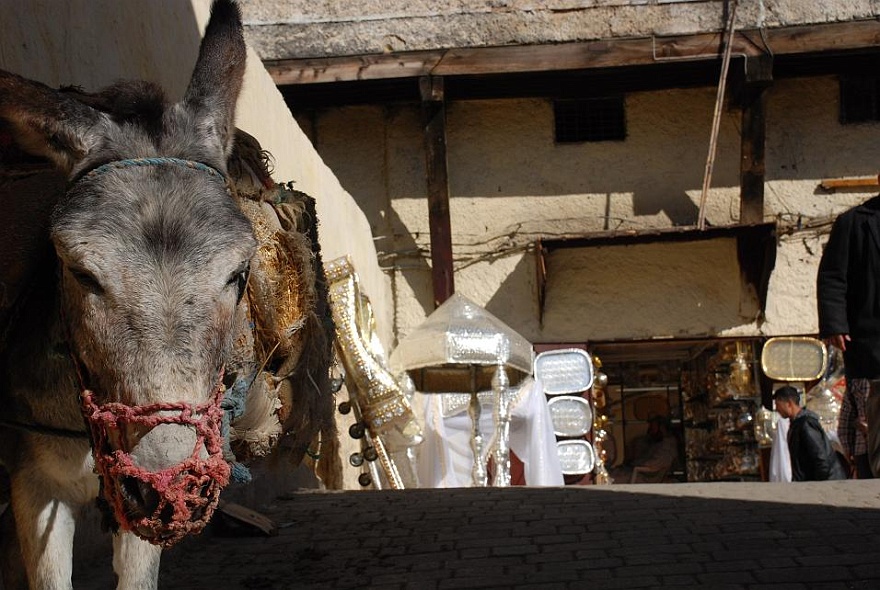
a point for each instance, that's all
(833, 37)
(353, 68)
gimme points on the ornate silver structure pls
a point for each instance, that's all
(379, 399)
(462, 348)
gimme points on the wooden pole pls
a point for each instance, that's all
(833, 183)
(716, 119)
(758, 76)
(434, 112)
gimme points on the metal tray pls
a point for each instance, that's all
(576, 457)
(567, 370)
(571, 415)
(794, 358)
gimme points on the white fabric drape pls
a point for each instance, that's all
(445, 455)
(780, 460)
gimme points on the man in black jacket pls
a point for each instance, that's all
(848, 293)
(812, 457)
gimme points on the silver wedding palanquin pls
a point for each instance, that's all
(462, 348)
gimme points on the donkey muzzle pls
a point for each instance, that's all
(160, 506)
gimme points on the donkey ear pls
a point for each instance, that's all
(46, 122)
(217, 78)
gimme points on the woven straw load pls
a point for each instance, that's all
(284, 342)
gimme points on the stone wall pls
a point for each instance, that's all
(281, 29)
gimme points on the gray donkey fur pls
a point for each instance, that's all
(142, 288)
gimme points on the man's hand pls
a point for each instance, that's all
(838, 341)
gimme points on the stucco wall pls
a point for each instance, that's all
(510, 183)
(92, 43)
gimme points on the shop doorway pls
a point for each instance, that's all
(705, 393)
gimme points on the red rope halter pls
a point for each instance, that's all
(188, 492)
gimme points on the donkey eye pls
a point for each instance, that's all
(239, 281)
(86, 280)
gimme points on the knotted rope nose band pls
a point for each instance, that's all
(187, 492)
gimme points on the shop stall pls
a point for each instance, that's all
(712, 399)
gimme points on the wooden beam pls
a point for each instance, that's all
(752, 166)
(352, 68)
(834, 183)
(844, 36)
(758, 75)
(434, 113)
(654, 235)
(594, 54)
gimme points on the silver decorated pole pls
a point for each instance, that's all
(478, 474)
(500, 384)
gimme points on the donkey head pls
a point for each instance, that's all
(153, 258)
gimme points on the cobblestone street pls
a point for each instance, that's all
(709, 535)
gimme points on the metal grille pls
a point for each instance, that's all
(592, 119)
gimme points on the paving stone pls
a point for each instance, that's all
(732, 535)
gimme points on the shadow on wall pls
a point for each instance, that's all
(678, 207)
(412, 265)
(515, 301)
(507, 149)
(509, 301)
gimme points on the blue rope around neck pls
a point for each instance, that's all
(140, 162)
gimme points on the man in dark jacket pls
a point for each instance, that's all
(812, 457)
(848, 293)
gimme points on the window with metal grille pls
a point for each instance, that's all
(590, 119)
(859, 99)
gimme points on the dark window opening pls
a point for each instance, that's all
(592, 119)
(859, 99)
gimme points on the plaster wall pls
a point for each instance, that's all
(92, 43)
(510, 183)
(651, 291)
(306, 28)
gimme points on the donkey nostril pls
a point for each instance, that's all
(129, 487)
(149, 497)
(140, 494)
(167, 514)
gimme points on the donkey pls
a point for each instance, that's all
(128, 323)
